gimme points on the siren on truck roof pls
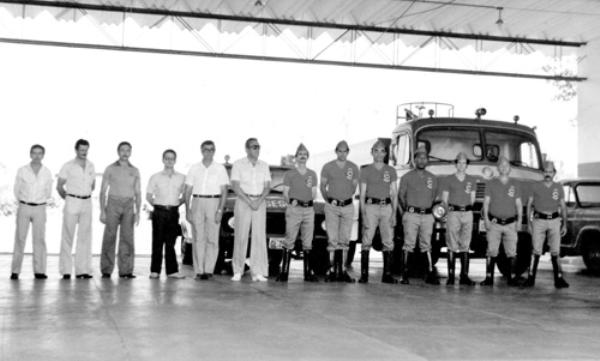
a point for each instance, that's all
(480, 112)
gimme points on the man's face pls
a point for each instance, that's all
(253, 149)
(549, 173)
(169, 160)
(421, 160)
(379, 154)
(124, 152)
(504, 168)
(36, 155)
(342, 153)
(82, 151)
(302, 157)
(461, 165)
(208, 152)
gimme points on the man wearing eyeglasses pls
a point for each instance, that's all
(205, 195)
(251, 180)
(339, 179)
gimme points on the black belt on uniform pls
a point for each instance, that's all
(419, 210)
(379, 201)
(502, 221)
(455, 208)
(541, 215)
(32, 204)
(253, 195)
(165, 208)
(206, 196)
(339, 203)
(79, 197)
(300, 203)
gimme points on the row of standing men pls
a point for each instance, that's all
(204, 191)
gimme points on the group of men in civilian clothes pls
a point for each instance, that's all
(204, 191)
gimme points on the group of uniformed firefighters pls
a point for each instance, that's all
(204, 191)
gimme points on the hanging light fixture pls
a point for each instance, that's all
(499, 22)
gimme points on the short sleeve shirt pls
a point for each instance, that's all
(340, 181)
(420, 188)
(378, 181)
(547, 199)
(252, 177)
(79, 180)
(166, 189)
(301, 185)
(207, 180)
(31, 187)
(459, 192)
(502, 197)
(121, 179)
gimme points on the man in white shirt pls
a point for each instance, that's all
(205, 195)
(250, 179)
(76, 182)
(33, 189)
(165, 194)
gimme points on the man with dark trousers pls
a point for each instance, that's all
(165, 194)
(378, 205)
(299, 191)
(545, 209)
(418, 191)
(339, 179)
(458, 195)
(502, 214)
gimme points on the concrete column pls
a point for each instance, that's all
(588, 118)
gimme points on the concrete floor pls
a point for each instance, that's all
(145, 319)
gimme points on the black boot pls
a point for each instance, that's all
(533, 266)
(431, 277)
(309, 276)
(512, 276)
(364, 267)
(387, 277)
(342, 274)
(559, 281)
(404, 275)
(451, 268)
(331, 276)
(464, 270)
(285, 266)
(490, 264)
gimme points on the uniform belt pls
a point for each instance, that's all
(32, 204)
(165, 208)
(455, 208)
(502, 221)
(79, 197)
(419, 210)
(339, 203)
(300, 203)
(206, 196)
(379, 201)
(541, 215)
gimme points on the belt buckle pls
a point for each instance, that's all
(451, 208)
(548, 216)
(411, 209)
(334, 202)
(494, 220)
(421, 211)
(369, 201)
(382, 202)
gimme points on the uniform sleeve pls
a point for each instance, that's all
(63, 174)
(235, 172)
(189, 178)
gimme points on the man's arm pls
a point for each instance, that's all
(402, 195)
(563, 210)
(286, 194)
(138, 198)
(238, 191)
(394, 198)
(323, 188)
(445, 195)
(187, 199)
(519, 206)
(18, 185)
(486, 207)
(102, 196)
(363, 192)
(60, 187)
(529, 215)
(222, 201)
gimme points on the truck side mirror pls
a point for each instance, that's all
(477, 151)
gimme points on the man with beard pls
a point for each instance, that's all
(418, 190)
(545, 208)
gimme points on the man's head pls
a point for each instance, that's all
(378, 151)
(124, 151)
(37, 153)
(549, 171)
(208, 150)
(342, 150)
(301, 154)
(503, 166)
(461, 161)
(421, 158)
(252, 148)
(81, 148)
(169, 157)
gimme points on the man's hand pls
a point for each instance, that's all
(393, 220)
(218, 216)
(488, 224)
(563, 230)
(254, 204)
(137, 218)
(103, 217)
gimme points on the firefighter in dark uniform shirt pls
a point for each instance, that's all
(502, 213)
(545, 208)
(418, 190)
(378, 205)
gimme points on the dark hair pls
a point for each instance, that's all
(250, 140)
(466, 159)
(207, 142)
(122, 144)
(169, 151)
(37, 146)
(81, 142)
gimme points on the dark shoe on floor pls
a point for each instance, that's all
(40, 276)
(345, 277)
(204, 276)
(432, 279)
(127, 275)
(106, 275)
(530, 282)
(84, 276)
(14, 276)
(66, 276)
(466, 281)
(561, 283)
(488, 281)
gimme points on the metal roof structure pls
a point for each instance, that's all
(461, 36)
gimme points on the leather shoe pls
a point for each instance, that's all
(66, 276)
(84, 276)
(14, 276)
